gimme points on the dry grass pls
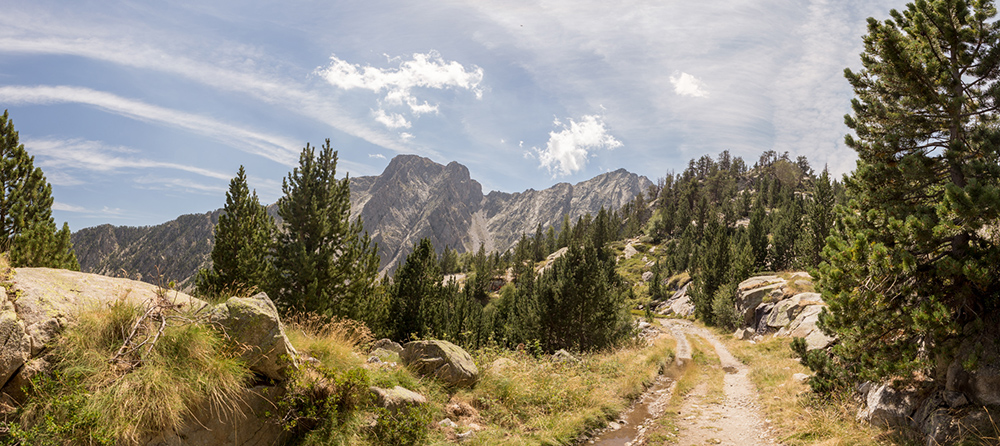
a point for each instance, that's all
(528, 400)
(796, 414)
(333, 342)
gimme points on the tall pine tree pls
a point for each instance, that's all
(324, 262)
(27, 229)
(243, 239)
(912, 270)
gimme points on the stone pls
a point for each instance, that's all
(955, 400)
(747, 301)
(443, 360)
(647, 276)
(563, 356)
(800, 377)
(387, 344)
(21, 381)
(744, 334)
(43, 332)
(396, 398)
(758, 281)
(630, 251)
(254, 323)
(15, 343)
(47, 293)
(888, 407)
(502, 363)
(383, 355)
(447, 423)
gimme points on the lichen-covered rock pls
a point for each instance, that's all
(443, 360)
(888, 407)
(254, 323)
(396, 398)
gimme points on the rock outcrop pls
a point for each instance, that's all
(785, 305)
(679, 304)
(47, 300)
(442, 360)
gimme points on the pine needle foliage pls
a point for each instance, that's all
(243, 241)
(911, 270)
(324, 262)
(27, 229)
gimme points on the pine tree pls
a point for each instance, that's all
(820, 217)
(416, 285)
(712, 269)
(27, 229)
(243, 241)
(912, 270)
(757, 231)
(324, 262)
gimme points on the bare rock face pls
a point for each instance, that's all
(254, 322)
(442, 360)
(15, 344)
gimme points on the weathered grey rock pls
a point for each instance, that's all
(647, 276)
(48, 293)
(502, 363)
(44, 332)
(250, 426)
(758, 281)
(629, 251)
(888, 407)
(679, 304)
(396, 398)
(21, 381)
(800, 377)
(443, 360)
(387, 344)
(254, 323)
(744, 334)
(804, 326)
(747, 301)
(383, 355)
(15, 343)
(564, 356)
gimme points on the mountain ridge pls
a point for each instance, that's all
(413, 198)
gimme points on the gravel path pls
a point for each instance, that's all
(736, 420)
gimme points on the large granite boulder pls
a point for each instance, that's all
(752, 292)
(443, 360)
(886, 406)
(679, 304)
(254, 323)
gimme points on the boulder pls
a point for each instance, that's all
(804, 326)
(396, 398)
(888, 407)
(630, 251)
(15, 343)
(748, 300)
(254, 323)
(443, 360)
(387, 344)
(563, 356)
(647, 276)
(679, 304)
(759, 281)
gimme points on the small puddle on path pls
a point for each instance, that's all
(636, 418)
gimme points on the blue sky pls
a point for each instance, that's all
(141, 111)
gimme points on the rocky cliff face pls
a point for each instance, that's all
(413, 198)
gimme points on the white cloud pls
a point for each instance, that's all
(568, 149)
(272, 147)
(688, 85)
(376, 155)
(391, 120)
(57, 156)
(406, 136)
(423, 71)
(59, 206)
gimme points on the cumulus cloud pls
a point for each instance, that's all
(398, 84)
(568, 149)
(688, 85)
(391, 120)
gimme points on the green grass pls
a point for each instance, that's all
(91, 399)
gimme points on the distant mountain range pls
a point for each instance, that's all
(413, 198)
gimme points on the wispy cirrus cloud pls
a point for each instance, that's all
(275, 148)
(399, 84)
(62, 157)
(567, 150)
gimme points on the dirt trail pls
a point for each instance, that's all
(704, 419)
